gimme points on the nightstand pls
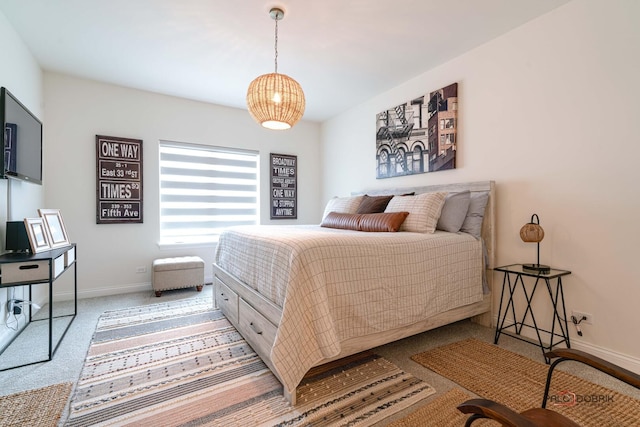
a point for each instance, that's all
(514, 279)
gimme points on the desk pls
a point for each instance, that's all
(514, 279)
(28, 269)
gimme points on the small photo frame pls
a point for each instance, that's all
(57, 233)
(38, 236)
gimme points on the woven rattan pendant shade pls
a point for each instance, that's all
(276, 101)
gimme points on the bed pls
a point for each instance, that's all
(306, 295)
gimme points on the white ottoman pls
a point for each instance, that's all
(177, 273)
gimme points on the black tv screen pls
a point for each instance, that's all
(22, 153)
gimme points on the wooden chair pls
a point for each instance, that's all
(538, 417)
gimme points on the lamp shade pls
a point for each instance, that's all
(276, 101)
(532, 233)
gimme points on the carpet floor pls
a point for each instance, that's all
(183, 363)
(518, 382)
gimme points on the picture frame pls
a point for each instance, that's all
(54, 225)
(38, 235)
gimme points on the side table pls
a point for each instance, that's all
(42, 268)
(514, 275)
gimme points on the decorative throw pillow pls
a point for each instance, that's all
(381, 222)
(473, 221)
(373, 204)
(343, 205)
(391, 221)
(344, 221)
(454, 211)
(424, 211)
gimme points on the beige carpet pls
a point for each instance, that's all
(518, 382)
(183, 363)
(34, 408)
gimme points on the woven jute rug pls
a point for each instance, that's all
(183, 363)
(518, 382)
(38, 408)
(442, 412)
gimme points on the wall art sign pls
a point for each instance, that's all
(418, 136)
(118, 180)
(284, 186)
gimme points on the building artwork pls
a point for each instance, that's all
(418, 136)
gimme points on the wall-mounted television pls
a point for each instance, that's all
(21, 156)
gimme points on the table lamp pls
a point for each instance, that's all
(532, 232)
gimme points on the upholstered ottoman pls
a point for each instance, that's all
(177, 273)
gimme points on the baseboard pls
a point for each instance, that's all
(620, 359)
(623, 360)
(103, 292)
(111, 290)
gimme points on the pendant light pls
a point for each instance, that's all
(275, 100)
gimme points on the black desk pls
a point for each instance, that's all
(27, 269)
(514, 279)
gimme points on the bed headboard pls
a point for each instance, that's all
(488, 222)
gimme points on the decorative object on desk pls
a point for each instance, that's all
(17, 238)
(54, 225)
(275, 100)
(37, 232)
(532, 232)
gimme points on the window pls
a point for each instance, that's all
(204, 189)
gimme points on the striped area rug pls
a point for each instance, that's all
(182, 363)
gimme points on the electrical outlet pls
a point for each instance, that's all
(587, 318)
(141, 269)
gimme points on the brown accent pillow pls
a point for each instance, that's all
(384, 222)
(344, 221)
(390, 221)
(373, 204)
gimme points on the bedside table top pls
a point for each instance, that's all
(518, 269)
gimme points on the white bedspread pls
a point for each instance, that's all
(334, 285)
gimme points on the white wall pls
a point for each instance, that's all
(78, 110)
(550, 112)
(22, 76)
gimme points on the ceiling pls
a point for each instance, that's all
(342, 52)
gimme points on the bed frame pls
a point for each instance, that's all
(256, 318)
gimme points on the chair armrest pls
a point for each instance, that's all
(600, 364)
(486, 408)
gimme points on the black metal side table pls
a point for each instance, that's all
(513, 279)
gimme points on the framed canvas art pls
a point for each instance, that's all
(418, 136)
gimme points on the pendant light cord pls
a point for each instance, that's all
(276, 46)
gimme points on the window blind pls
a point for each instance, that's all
(204, 189)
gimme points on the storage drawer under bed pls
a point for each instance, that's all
(227, 301)
(257, 330)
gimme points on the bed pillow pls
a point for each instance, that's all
(424, 211)
(391, 221)
(454, 211)
(343, 205)
(373, 204)
(473, 221)
(385, 222)
(344, 221)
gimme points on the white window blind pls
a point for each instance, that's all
(204, 189)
